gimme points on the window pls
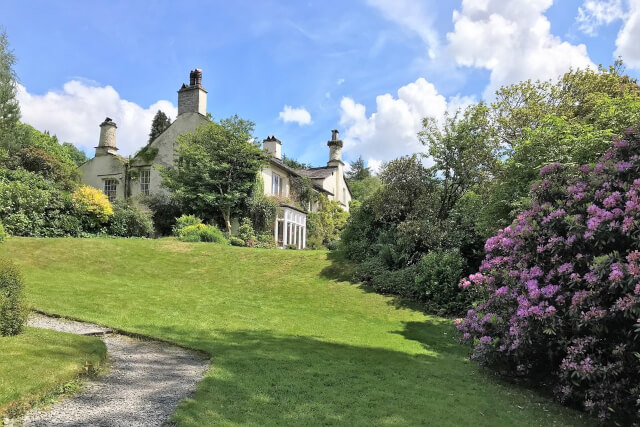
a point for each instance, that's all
(276, 188)
(145, 181)
(110, 188)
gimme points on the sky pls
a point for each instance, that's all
(373, 69)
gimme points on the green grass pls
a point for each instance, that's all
(290, 341)
(37, 362)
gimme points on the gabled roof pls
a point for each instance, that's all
(317, 173)
(297, 172)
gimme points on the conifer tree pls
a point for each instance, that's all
(9, 108)
(159, 124)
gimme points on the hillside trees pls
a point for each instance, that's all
(362, 183)
(217, 169)
(571, 121)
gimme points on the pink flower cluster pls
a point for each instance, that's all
(561, 285)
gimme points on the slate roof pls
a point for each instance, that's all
(299, 172)
(317, 173)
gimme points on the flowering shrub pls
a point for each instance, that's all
(558, 294)
(93, 203)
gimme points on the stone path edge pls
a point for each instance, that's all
(135, 335)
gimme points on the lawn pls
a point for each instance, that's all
(37, 361)
(291, 341)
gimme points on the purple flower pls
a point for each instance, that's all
(549, 169)
(565, 268)
(616, 274)
(485, 339)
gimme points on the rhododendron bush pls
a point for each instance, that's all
(558, 294)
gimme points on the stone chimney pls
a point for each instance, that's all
(107, 143)
(335, 149)
(193, 98)
(273, 146)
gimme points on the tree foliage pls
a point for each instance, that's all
(159, 124)
(570, 121)
(217, 168)
(9, 108)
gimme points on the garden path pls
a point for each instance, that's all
(145, 383)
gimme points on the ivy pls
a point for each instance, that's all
(147, 154)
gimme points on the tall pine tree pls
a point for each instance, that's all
(159, 124)
(9, 108)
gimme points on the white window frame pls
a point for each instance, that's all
(145, 181)
(276, 184)
(110, 189)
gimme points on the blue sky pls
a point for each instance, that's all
(372, 68)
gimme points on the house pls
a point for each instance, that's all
(122, 178)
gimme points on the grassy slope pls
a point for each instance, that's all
(290, 342)
(36, 361)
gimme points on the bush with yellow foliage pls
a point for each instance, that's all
(93, 204)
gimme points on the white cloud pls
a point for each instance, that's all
(75, 113)
(627, 43)
(340, 82)
(295, 115)
(391, 131)
(595, 13)
(512, 39)
(411, 14)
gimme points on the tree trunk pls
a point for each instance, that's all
(226, 213)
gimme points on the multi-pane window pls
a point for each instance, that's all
(145, 181)
(276, 185)
(110, 188)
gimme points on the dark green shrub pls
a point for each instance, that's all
(333, 245)
(201, 233)
(399, 282)
(3, 234)
(235, 241)
(130, 221)
(33, 206)
(436, 282)
(164, 212)
(266, 240)
(13, 310)
(246, 233)
(212, 234)
(191, 233)
(183, 222)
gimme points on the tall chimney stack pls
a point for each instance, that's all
(335, 148)
(193, 98)
(107, 143)
(273, 146)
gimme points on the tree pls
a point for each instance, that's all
(159, 124)
(358, 170)
(464, 152)
(363, 189)
(362, 183)
(294, 164)
(9, 108)
(78, 157)
(571, 121)
(217, 168)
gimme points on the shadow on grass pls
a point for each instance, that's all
(343, 270)
(261, 378)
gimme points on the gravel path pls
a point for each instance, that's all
(145, 383)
